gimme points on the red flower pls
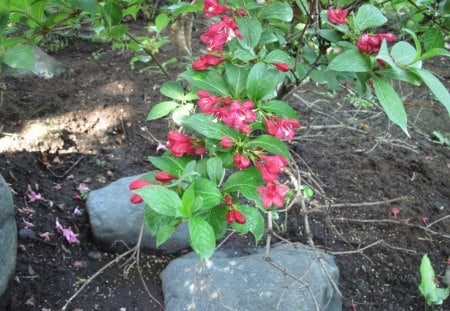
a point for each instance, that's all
(372, 43)
(206, 61)
(212, 8)
(179, 144)
(138, 184)
(164, 177)
(235, 216)
(208, 102)
(239, 115)
(281, 128)
(226, 142)
(219, 33)
(337, 16)
(273, 194)
(271, 167)
(241, 161)
(228, 200)
(284, 67)
(395, 211)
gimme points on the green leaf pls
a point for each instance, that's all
(161, 109)
(172, 89)
(161, 21)
(159, 198)
(237, 78)
(433, 38)
(416, 41)
(280, 109)
(186, 201)
(246, 182)
(403, 53)
(391, 103)
(118, 31)
(216, 219)
(189, 171)
(207, 80)
(278, 56)
(254, 222)
(270, 144)
(202, 237)
(208, 191)
(350, 61)
(329, 35)
(435, 52)
(368, 16)
(209, 127)
(155, 221)
(277, 10)
(20, 56)
(262, 82)
(215, 169)
(181, 112)
(86, 5)
(165, 233)
(244, 55)
(251, 30)
(170, 164)
(111, 13)
(436, 87)
(427, 287)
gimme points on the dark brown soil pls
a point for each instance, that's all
(95, 119)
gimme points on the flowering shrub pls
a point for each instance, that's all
(225, 163)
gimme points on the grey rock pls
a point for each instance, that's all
(8, 234)
(231, 280)
(114, 218)
(27, 233)
(45, 67)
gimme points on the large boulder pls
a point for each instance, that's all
(45, 67)
(296, 280)
(114, 218)
(8, 238)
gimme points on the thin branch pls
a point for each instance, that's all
(364, 204)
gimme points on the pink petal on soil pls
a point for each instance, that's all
(45, 236)
(70, 236)
(77, 212)
(33, 196)
(77, 196)
(57, 186)
(58, 226)
(27, 224)
(425, 220)
(395, 211)
(83, 187)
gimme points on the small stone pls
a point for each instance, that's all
(27, 233)
(95, 255)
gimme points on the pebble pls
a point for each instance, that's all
(95, 255)
(27, 233)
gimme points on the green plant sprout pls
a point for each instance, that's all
(433, 295)
(443, 139)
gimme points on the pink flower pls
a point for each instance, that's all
(33, 196)
(206, 61)
(241, 161)
(70, 236)
(164, 177)
(239, 115)
(271, 167)
(337, 16)
(281, 128)
(226, 142)
(212, 8)
(284, 67)
(273, 194)
(138, 184)
(395, 211)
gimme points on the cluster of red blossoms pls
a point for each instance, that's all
(372, 43)
(337, 16)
